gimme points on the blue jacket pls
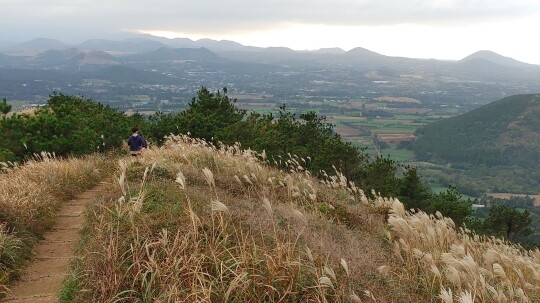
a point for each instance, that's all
(136, 142)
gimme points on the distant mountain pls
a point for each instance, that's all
(125, 46)
(172, 43)
(283, 50)
(214, 45)
(505, 132)
(177, 54)
(362, 52)
(95, 58)
(332, 50)
(74, 57)
(495, 58)
(37, 45)
(281, 72)
(481, 66)
(367, 59)
(221, 45)
(124, 74)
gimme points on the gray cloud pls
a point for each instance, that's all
(84, 18)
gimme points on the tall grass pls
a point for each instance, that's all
(29, 196)
(193, 222)
(458, 266)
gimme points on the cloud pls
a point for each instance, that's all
(84, 17)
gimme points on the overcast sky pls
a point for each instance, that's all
(442, 29)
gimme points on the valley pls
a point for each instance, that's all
(376, 102)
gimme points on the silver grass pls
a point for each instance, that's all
(384, 270)
(180, 179)
(299, 215)
(446, 296)
(237, 179)
(452, 275)
(499, 271)
(355, 298)
(219, 207)
(435, 271)
(326, 282)
(345, 266)
(466, 297)
(248, 180)
(309, 254)
(330, 272)
(209, 177)
(267, 206)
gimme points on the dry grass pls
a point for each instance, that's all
(457, 266)
(29, 196)
(195, 223)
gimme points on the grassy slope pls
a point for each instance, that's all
(505, 131)
(273, 236)
(192, 223)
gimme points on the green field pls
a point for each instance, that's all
(400, 155)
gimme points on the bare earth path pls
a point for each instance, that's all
(41, 280)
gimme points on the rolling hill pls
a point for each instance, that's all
(74, 57)
(502, 133)
(120, 46)
(37, 45)
(494, 58)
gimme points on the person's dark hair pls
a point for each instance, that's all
(134, 130)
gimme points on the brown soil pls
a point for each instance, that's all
(42, 279)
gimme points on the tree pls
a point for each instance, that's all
(4, 107)
(209, 113)
(450, 204)
(508, 222)
(380, 175)
(412, 192)
(66, 125)
(308, 137)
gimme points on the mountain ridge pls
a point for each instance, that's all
(147, 42)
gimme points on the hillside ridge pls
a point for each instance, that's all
(499, 143)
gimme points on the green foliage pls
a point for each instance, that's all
(412, 191)
(504, 132)
(209, 113)
(4, 107)
(380, 175)
(450, 203)
(66, 125)
(310, 138)
(160, 125)
(7, 155)
(508, 222)
(71, 125)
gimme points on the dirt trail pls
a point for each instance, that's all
(41, 280)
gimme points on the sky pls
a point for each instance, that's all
(440, 29)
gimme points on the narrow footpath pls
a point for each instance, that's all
(41, 281)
